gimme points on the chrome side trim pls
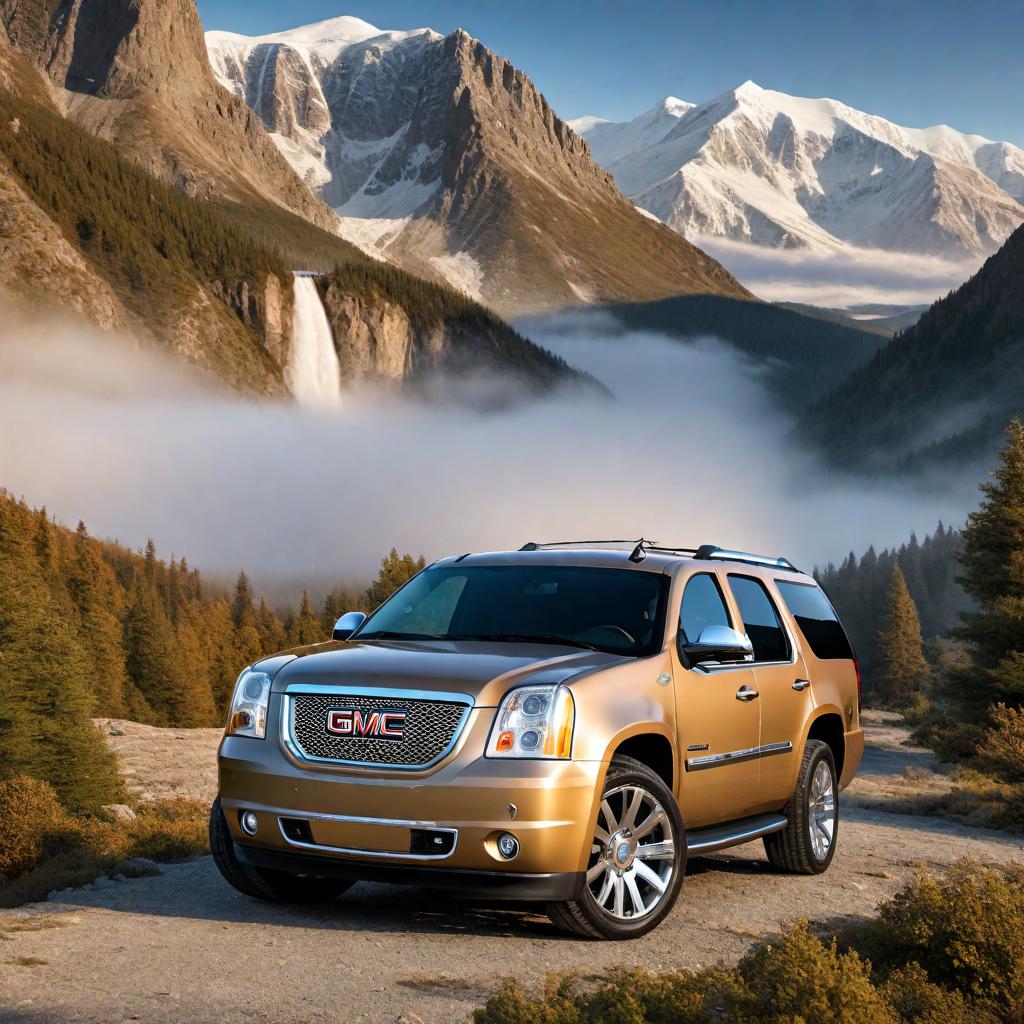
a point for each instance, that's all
(696, 764)
(720, 837)
(291, 744)
(382, 854)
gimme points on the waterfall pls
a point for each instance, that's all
(314, 374)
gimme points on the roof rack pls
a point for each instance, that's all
(713, 551)
(641, 546)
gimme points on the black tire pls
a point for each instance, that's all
(792, 849)
(585, 916)
(261, 884)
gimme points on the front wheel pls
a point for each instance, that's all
(807, 844)
(272, 886)
(637, 858)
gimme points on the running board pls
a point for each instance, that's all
(732, 833)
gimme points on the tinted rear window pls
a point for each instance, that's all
(817, 620)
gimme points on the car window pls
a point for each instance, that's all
(760, 619)
(703, 605)
(816, 618)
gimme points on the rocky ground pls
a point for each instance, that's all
(185, 946)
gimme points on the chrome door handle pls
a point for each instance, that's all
(747, 693)
(801, 684)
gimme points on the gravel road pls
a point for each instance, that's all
(185, 947)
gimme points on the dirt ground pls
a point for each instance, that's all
(184, 946)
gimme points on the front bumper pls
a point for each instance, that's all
(489, 885)
(366, 824)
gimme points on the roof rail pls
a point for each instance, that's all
(640, 547)
(713, 551)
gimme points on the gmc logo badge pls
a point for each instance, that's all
(379, 725)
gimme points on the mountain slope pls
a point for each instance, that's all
(942, 390)
(443, 157)
(84, 230)
(777, 170)
(134, 72)
(801, 357)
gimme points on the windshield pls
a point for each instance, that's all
(621, 611)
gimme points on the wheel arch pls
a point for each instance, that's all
(827, 726)
(651, 744)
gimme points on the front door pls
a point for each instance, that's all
(718, 716)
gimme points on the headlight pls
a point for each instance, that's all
(534, 721)
(248, 714)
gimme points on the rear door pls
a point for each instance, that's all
(784, 693)
(718, 716)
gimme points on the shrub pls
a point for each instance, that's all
(918, 1001)
(1002, 750)
(31, 820)
(966, 930)
(76, 849)
(798, 977)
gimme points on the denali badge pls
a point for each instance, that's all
(381, 725)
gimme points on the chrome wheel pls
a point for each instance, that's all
(633, 854)
(821, 810)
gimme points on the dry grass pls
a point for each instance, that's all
(27, 961)
(55, 849)
(439, 983)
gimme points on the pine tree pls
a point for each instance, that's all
(904, 670)
(992, 559)
(151, 658)
(306, 627)
(243, 617)
(100, 601)
(45, 703)
(395, 570)
(270, 628)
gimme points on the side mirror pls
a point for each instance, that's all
(718, 643)
(347, 625)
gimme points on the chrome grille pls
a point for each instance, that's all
(431, 729)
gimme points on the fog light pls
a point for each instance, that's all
(250, 823)
(508, 846)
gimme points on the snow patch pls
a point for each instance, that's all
(462, 272)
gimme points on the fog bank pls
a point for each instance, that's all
(691, 450)
(841, 278)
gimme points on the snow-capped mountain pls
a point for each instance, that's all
(777, 170)
(441, 156)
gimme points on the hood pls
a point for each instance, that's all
(483, 671)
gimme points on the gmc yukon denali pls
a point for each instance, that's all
(564, 724)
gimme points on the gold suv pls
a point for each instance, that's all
(566, 723)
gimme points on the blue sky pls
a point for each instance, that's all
(917, 63)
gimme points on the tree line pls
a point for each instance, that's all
(940, 626)
(89, 628)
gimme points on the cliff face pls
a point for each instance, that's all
(135, 72)
(444, 158)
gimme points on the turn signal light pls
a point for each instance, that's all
(506, 741)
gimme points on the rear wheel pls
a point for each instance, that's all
(637, 858)
(807, 844)
(272, 886)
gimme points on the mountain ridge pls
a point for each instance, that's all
(761, 166)
(442, 156)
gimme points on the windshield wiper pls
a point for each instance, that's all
(537, 638)
(391, 634)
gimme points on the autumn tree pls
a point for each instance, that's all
(395, 570)
(905, 670)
